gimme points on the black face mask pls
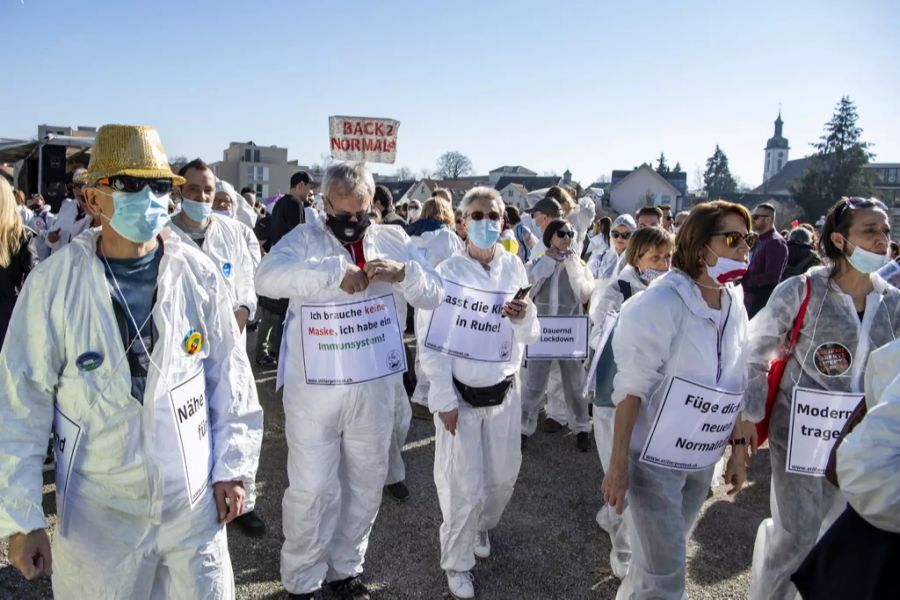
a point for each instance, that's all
(348, 231)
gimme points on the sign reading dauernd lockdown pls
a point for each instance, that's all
(363, 138)
(562, 338)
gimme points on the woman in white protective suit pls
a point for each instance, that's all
(479, 332)
(851, 311)
(435, 241)
(604, 265)
(342, 352)
(649, 256)
(561, 286)
(681, 374)
(146, 389)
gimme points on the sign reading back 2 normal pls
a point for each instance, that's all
(468, 324)
(363, 138)
(351, 342)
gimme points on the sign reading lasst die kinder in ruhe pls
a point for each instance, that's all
(363, 138)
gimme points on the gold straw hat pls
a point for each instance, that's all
(133, 150)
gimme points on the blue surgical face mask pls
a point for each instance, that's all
(138, 217)
(196, 211)
(484, 233)
(866, 261)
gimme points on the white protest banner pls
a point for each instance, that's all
(67, 434)
(608, 324)
(191, 412)
(817, 418)
(352, 342)
(561, 338)
(363, 138)
(692, 427)
(469, 324)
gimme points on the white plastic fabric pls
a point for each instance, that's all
(240, 208)
(225, 242)
(803, 506)
(338, 436)
(665, 331)
(126, 488)
(475, 470)
(68, 224)
(868, 460)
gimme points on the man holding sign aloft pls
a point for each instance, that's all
(479, 331)
(341, 354)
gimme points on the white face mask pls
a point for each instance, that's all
(649, 275)
(866, 261)
(414, 213)
(726, 270)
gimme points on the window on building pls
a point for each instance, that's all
(259, 190)
(509, 193)
(256, 156)
(779, 164)
(768, 164)
(605, 202)
(247, 156)
(880, 175)
(265, 173)
(250, 173)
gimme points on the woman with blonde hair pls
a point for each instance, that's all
(17, 256)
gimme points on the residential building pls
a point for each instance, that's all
(514, 170)
(515, 194)
(422, 189)
(399, 189)
(777, 149)
(647, 187)
(266, 169)
(529, 182)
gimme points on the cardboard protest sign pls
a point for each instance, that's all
(363, 138)
(468, 324)
(692, 427)
(352, 342)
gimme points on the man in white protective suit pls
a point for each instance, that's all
(471, 350)
(125, 344)
(224, 240)
(341, 355)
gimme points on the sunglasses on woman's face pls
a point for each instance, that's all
(620, 234)
(565, 233)
(477, 215)
(733, 239)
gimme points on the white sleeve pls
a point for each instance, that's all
(30, 364)
(245, 291)
(539, 268)
(421, 286)
(643, 342)
(437, 368)
(291, 270)
(608, 298)
(580, 278)
(868, 461)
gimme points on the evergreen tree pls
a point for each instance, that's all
(663, 166)
(717, 179)
(677, 168)
(836, 169)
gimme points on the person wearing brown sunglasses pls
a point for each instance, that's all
(767, 261)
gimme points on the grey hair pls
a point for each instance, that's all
(482, 192)
(348, 179)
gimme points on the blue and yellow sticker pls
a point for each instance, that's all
(193, 341)
(89, 361)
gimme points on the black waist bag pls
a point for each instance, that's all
(480, 397)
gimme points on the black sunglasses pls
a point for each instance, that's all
(477, 215)
(733, 239)
(132, 185)
(756, 217)
(565, 233)
(620, 234)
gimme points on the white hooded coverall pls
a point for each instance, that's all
(127, 529)
(338, 435)
(668, 331)
(804, 506)
(475, 470)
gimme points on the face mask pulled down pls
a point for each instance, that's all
(866, 261)
(726, 270)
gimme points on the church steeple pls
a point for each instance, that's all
(776, 150)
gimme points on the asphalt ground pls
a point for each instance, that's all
(548, 545)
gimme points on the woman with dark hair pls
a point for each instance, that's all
(850, 311)
(561, 285)
(681, 374)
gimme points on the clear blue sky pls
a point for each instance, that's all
(589, 86)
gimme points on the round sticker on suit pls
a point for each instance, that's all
(832, 359)
(226, 270)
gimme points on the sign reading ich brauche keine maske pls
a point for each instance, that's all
(363, 138)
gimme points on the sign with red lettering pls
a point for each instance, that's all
(363, 138)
